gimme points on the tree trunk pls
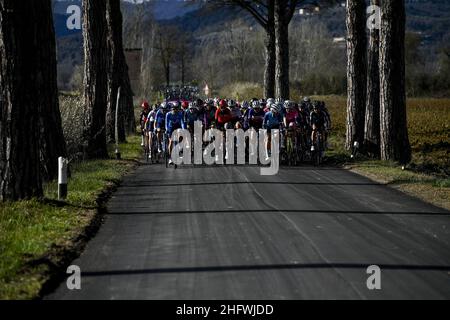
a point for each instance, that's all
(127, 102)
(394, 131)
(117, 74)
(269, 72)
(52, 143)
(167, 70)
(95, 78)
(183, 69)
(20, 76)
(356, 71)
(282, 50)
(372, 121)
(270, 44)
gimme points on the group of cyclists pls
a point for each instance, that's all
(304, 126)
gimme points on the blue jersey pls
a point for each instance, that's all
(160, 119)
(272, 121)
(190, 118)
(174, 121)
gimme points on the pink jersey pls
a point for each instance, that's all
(291, 116)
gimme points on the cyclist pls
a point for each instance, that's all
(291, 113)
(143, 119)
(160, 123)
(272, 121)
(317, 121)
(150, 127)
(190, 116)
(256, 116)
(223, 115)
(236, 114)
(209, 114)
(306, 105)
(245, 110)
(174, 121)
(327, 124)
(302, 123)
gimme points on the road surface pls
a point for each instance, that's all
(229, 233)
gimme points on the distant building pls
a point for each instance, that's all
(339, 41)
(134, 60)
(309, 10)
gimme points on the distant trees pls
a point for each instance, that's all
(263, 11)
(394, 131)
(167, 46)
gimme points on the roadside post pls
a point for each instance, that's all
(118, 155)
(62, 178)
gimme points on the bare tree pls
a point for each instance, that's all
(394, 130)
(183, 55)
(167, 46)
(263, 11)
(372, 116)
(356, 71)
(20, 75)
(96, 57)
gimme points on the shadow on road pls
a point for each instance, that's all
(292, 266)
(359, 212)
(140, 185)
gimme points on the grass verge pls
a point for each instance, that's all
(434, 189)
(39, 237)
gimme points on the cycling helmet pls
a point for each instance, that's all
(256, 104)
(270, 102)
(145, 105)
(176, 104)
(289, 104)
(209, 102)
(316, 105)
(245, 105)
(185, 105)
(200, 102)
(232, 103)
(306, 100)
(170, 106)
(275, 107)
(292, 125)
(193, 105)
(223, 104)
(164, 106)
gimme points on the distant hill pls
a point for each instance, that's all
(428, 18)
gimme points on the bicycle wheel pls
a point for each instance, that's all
(319, 150)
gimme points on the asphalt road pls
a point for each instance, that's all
(229, 233)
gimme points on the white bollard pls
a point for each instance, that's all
(62, 178)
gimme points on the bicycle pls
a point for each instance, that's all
(153, 149)
(146, 148)
(166, 151)
(317, 152)
(291, 150)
